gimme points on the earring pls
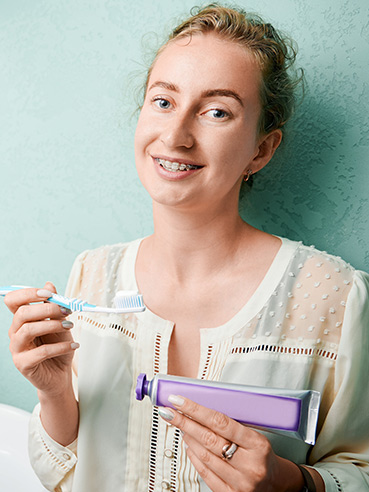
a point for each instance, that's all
(247, 175)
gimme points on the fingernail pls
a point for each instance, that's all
(67, 325)
(166, 414)
(177, 401)
(65, 310)
(74, 345)
(44, 293)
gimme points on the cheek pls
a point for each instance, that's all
(234, 152)
(143, 137)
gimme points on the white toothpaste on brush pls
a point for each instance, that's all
(293, 413)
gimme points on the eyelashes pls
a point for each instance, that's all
(213, 113)
(162, 103)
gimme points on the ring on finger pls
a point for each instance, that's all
(229, 450)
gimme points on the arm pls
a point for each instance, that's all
(341, 452)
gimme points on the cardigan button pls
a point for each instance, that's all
(168, 453)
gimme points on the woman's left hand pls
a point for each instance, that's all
(253, 466)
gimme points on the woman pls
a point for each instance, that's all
(224, 301)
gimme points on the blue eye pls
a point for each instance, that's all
(162, 103)
(218, 113)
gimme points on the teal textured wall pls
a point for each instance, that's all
(69, 69)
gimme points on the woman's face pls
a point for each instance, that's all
(197, 133)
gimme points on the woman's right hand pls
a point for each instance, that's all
(40, 339)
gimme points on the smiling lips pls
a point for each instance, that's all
(176, 167)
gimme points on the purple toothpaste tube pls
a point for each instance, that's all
(293, 413)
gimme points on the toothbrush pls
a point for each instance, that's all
(125, 301)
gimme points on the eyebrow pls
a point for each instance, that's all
(205, 94)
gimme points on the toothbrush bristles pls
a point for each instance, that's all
(129, 302)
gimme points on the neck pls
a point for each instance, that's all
(191, 245)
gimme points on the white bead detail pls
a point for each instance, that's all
(306, 295)
(280, 304)
(327, 276)
(332, 310)
(298, 286)
(290, 295)
(322, 318)
(311, 328)
(292, 327)
(303, 316)
(316, 284)
(325, 296)
(268, 333)
(291, 274)
(346, 282)
(336, 288)
(319, 264)
(308, 275)
(301, 265)
(326, 332)
(272, 314)
(338, 324)
(313, 306)
(343, 303)
(287, 315)
(296, 306)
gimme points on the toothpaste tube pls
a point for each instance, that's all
(293, 413)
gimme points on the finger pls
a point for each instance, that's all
(205, 443)
(228, 471)
(27, 333)
(17, 298)
(36, 312)
(29, 360)
(220, 423)
(50, 286)
(212, 480)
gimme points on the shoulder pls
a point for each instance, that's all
(107, 252)
(318, 264)
(95, 270)
(325, 283)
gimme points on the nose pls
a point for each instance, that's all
(178, 132)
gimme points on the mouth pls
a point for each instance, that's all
(176, 166)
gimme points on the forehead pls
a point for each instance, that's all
(208, 60)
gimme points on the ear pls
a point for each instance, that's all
(267, 145)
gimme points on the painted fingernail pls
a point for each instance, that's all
(177, 401)
(44, 293)
(65, 310)
(67, 325)
(166, 414)
(74, 345)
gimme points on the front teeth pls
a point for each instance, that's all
(175, 166)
